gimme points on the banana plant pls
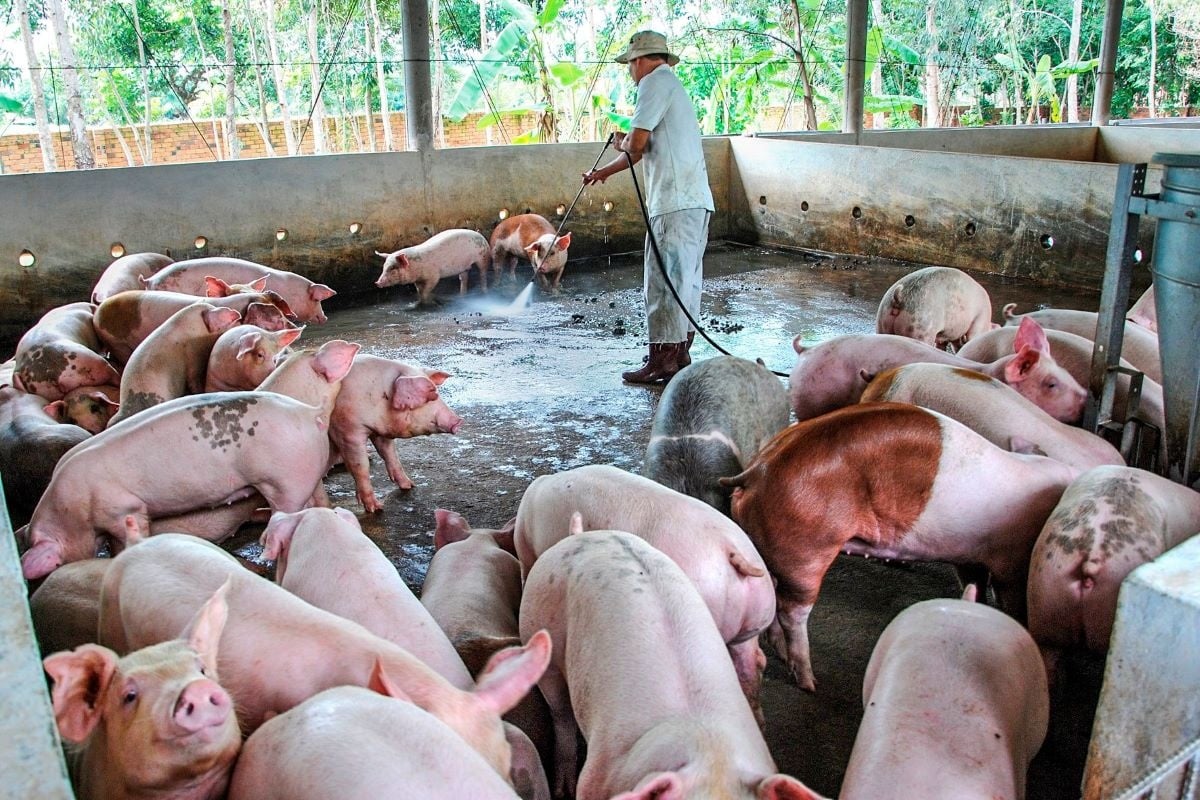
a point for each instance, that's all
(11, 104)
(880, 44)
(1041, 78)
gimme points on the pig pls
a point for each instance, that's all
(223, 446)
(1109, 521)
(313, 376)
(937, 306)
(31, 444)
(123, 274)
(532, 237)
(833, 374)
(382, 400)
(268, 317)
(303, 296)
(214, 524)
(993, 410)
(1144, 312)
(154, 723)
(713, 551)
(89, 407)
(955, 707)
(323, 557)
(277, 650)
(451, 252)
(1138, 345)
(637, 663)
(124, 320)
(710, 421)
(888, 480)
(60, 353)
(398, 749)
(244, 355)
(65, 608)
(171, 362)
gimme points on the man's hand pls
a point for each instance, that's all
(618, 140)
(594, 176)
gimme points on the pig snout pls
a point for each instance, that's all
(202, 705)
(447, 421)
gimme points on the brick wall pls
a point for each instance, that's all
(176, 142)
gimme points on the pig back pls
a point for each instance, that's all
(31, 445)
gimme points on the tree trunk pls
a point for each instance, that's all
(316, 114)
(289, 134)
(128, 117)
(933, 113)
(234, 146)
(1073, 56)
(129, 159)
(381, 79)
(45, 142)
(84, 157)
(878, 119)
(370, 121)
(436, 32)
(264, 127)
(810, 107)
(147, 143)
(1153, 58)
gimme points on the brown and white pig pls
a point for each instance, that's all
(637, 663)
(124, 320)
(243, 356)
(890, 481)
(191, 277)
(190, 453)
(937, 306)
(382, 400)
(89, 407)
(955, 706)
(715, 553)
(398, 750)
(451, 252)
(65, 608)
(1110, 521)
(171, 362)
(122, 274)
(60, 353)
(323, 557)
(993, 410)
(154, 723)
(1139, 346)
(31, 444)
(710, 421)
(277, 650)
(1144, 312)
(830, 375)
(532, 237)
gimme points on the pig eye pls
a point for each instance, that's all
(131, 695)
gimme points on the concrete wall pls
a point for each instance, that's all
(1067, 142)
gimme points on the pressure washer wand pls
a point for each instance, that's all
(583, 186)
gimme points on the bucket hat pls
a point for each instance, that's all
(647, 43)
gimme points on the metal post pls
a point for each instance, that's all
(1102, 103)
(418, 91)
(856, 65)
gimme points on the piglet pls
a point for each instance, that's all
(638, 664)
(243, 356)
(937, 306)
(398, 751)
(451, 252)
(710, 421)
(123, 274)
(1139, 346)
(61, 352)
(154, 723)
(89, 407)
(191, 277)
(31, 444)
(955, 706)
(532, 237)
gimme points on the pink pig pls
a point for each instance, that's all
(89, 407)
(937, 306)
(955, 707)
(191, 277)
(1144, 312)
(532, 237)
(65, 608)
(153, 724)
(451, 252)
(244, 355)
(639, 664)
(1139, 346)
(60, 353)
(122, 274)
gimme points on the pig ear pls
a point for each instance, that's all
(81, 677)
(1030, 334)
(57, 410)
(277, 537)
(286, 336)
(382, 255)
(246, 344)
(258, 285)
(203, 633)
(437, 376)
(1020, 367)
(412, 391)
(511, 673)
(451, 527)
(504, 536)
(1019, 444)
(41, 559)
(563, 242)
(656, 786)
(785, 787)
(334, 359)
(319, 292)
(215, 287)
(384, 685)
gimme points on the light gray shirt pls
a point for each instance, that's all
(676, 178)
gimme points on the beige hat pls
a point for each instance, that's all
(647, 43)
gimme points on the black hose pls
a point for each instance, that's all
(584, 185)
(663, 269)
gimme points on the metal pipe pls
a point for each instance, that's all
(856, 65)
(418, 89)
(1102, 102)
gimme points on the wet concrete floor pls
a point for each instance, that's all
(540, 391)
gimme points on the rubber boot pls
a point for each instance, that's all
(685, 355)
(661, 366)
